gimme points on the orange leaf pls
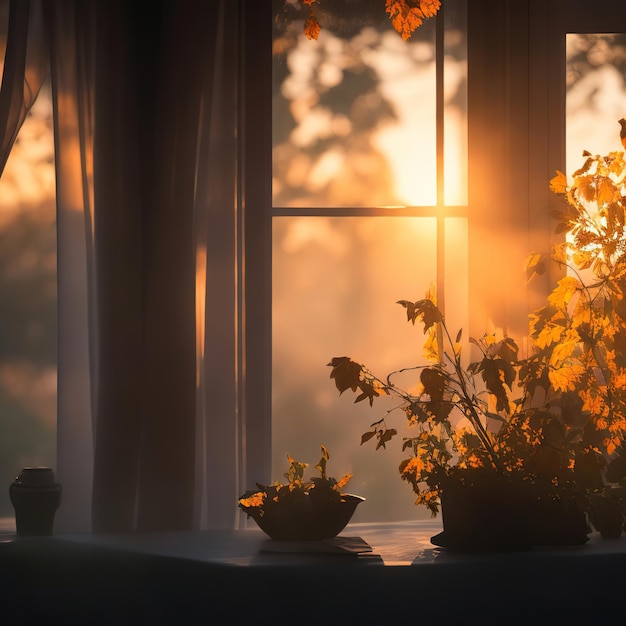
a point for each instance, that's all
(406, 15)
(606, 191)
(559, 183)
(430, 7)
(312, 27)
(563, 292)
(344, 481)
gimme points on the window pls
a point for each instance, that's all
(28, 297)
(369, 196)
(596, 94)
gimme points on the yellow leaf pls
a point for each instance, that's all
(558, 184)
(583, 259)
(344, 481)
(549, 334)
(563, 292)
(414, 467)
(586, 187)
(565, 378)
(562, 351)
(255, 500)
(605, 192)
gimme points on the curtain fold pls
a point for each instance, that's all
(148, 98)
(72, 56)
(218, 227)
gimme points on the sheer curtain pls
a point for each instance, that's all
(145, 110)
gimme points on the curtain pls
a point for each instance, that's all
(145, 114)
(25, 68)
(71, 64)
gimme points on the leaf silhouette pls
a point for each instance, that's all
(497, 372)
(346, 372)
(434, 383)
(385, 436)
(365, 437)
(425, 310)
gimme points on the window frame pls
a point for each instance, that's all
(516, 139)
(257, 215)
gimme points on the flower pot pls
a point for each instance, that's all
(305, 518)
(35, 497)
(557, 520)
(484, 512)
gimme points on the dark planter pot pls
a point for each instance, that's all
(35, 496)
(306, 518)
(558, 521)
(483, 511)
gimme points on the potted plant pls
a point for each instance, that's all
(580, 335)
(514, 472)
(302, 510)
(474, 450)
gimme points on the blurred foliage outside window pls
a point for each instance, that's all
(354, 139)
(354, 127)
(596, 94)
(28, 300)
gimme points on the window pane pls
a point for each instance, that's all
(455, 103)
(596, 94)
(354, 111)
(336, 286)
(28, 301)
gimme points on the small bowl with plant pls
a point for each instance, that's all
(302, 510)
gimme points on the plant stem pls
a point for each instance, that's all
(469, 407)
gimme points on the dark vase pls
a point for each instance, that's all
(35, 496)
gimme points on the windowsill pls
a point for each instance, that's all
(212, 574)
(393, 544)
(398, 543)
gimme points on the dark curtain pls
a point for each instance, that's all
(150, 80)
(146, 110)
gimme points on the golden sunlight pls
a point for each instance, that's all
(596, 95)
(354, 125)
(201, 258)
